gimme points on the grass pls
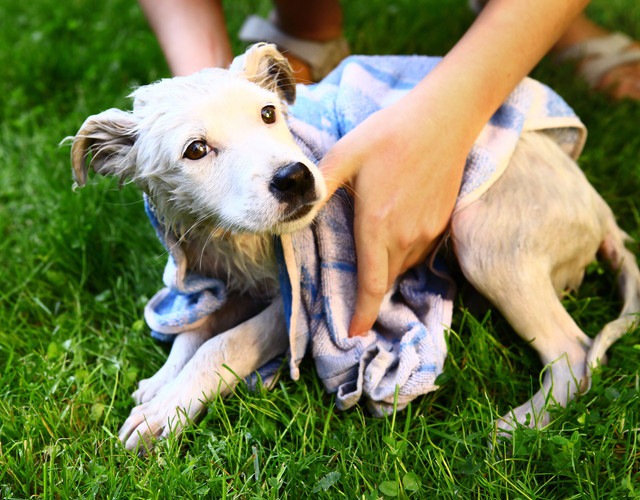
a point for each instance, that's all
(78, 268)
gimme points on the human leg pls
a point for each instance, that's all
(191, 33)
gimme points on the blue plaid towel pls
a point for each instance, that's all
(404, 353)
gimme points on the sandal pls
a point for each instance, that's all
(600, 55)
(321, 57)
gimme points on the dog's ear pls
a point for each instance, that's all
(263, 64)
(104, 143)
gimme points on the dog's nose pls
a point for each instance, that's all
(293, 182)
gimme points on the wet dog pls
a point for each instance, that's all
(215, 156)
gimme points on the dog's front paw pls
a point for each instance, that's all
(184, 347)
(168, 413)
(149, 387)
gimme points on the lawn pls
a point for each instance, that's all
(78, 268)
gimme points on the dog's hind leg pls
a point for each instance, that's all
(521, 244)
(540, 319)
(528, 301)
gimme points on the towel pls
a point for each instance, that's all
(402, 356)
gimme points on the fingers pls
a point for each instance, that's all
(378, 269)
(338, 169)
(373, 278)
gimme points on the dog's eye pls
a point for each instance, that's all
(268, 114)
(196, 150)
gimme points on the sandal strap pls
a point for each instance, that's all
(601, 55)
(321, 57)
(601, 46)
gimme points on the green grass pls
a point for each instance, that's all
(78, 267)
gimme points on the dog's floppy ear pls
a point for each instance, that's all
(104, 143)
(263, 64)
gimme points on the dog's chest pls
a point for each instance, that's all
(245, 262)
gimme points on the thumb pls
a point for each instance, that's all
(338, 169)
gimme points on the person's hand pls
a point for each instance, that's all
(404, 168)
(405, 163)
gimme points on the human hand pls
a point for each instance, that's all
(404, 169)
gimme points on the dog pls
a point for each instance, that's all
(214, 154)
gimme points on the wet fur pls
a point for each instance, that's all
(521, 244)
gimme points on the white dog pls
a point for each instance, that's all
(214, 154)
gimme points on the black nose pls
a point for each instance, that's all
(293, 183)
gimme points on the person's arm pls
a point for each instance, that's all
(405, 162)
(191, 33)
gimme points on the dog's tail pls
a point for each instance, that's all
(624, 263)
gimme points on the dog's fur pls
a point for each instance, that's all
(524, 242)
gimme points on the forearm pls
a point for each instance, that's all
(506, 41)
(181, 26)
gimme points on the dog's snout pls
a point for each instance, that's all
(293, 182)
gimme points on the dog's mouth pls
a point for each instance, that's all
(298, 212)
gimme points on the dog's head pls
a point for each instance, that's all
(212, 148)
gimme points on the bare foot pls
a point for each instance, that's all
(623, 81)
